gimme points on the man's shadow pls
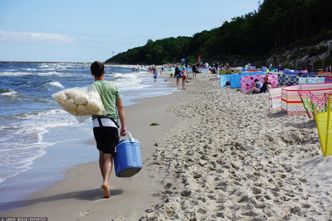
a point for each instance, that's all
(90, 195)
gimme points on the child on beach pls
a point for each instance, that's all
(105, 128)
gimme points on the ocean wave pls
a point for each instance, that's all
(54, 84)
(22, 141)
(42, 74)
(127, 81)
(49, 118)
(7, 92)
(20, 160)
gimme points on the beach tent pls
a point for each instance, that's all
(291, 101)
(324, 126)
(247, 82)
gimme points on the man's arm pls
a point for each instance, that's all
(123, 130)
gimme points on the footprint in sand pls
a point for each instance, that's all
(87, 212)
(256, 190)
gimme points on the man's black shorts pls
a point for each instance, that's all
(107, 138)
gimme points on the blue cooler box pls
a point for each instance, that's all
(127, 159)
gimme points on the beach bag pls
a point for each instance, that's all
(80, 101)
(127, 159)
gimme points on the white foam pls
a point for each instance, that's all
(127, 81)
(9, 93)
(22, 163)
(29, 145)
(50, 119)
(44, 65)
(21, 74)
(55, 84)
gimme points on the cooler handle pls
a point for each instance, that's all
(132, 139)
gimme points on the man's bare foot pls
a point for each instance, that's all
(106, 191)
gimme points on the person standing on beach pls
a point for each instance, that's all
(177, 75)
(105, 128)
(155, 74)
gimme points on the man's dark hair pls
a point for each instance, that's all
(97, 69)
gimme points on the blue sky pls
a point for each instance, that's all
(87, 30)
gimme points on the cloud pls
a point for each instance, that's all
(34, 36)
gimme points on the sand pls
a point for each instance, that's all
(235, 160)
(217, 154)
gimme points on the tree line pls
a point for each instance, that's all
(276, 24)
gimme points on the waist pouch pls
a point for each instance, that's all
(105, 122)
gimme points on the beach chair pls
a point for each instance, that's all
(324, 126)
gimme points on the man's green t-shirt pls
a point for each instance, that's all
(109, 94)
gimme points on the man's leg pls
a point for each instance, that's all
(101, 163)
(107, 169)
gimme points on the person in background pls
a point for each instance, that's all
(266, 86)
(256, 87)
(155, 74)
(195, 70)
(161, 70)
(177, 74)
(105, 128)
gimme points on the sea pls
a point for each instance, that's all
(39, 141)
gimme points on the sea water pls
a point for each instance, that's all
(38, 139)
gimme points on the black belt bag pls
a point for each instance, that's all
(104, 122)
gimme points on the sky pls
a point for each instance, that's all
(88, 30)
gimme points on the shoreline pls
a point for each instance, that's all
(61, 144)
(217, 154)
(76, 185)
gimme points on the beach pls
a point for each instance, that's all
(216, 154)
